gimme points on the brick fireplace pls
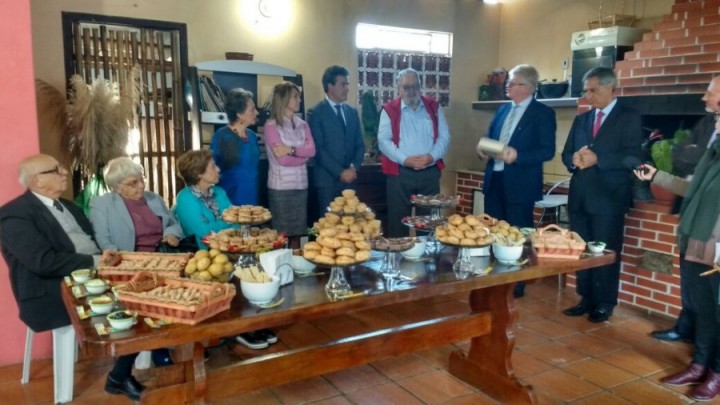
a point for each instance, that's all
(673, 64)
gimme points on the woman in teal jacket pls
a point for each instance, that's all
(200, 204)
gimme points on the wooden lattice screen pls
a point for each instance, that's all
(110, 52)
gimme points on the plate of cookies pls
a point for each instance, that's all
(382, 244)
(246, 215)
(335, 248)
(434, 201)
(464, 231)
(234, 241)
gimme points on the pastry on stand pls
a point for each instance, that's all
(342, 240)
(246, 216)
(464, 233)
(435, 203)
(391, 247)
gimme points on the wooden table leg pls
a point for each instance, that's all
(196, 376)
(488, 364)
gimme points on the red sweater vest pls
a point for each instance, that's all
(393, 111)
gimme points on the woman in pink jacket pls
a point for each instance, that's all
(289, 146)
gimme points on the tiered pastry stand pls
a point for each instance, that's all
(390, 267)
(433, 247)
(337, 285)
(463, 266)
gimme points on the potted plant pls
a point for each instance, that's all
(662, 157)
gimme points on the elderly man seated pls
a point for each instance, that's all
(44, 238)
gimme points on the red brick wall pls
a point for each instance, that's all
(680, 55)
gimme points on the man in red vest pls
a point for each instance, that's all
(413, 138)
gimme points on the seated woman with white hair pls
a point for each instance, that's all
(130, 219)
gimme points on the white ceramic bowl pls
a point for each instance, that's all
(300, 265)
(596, 247)
(101, 304)
(415, 252)
(260, 293)
(81, 275)
(95, 286)
(121, 320)
(507, 254)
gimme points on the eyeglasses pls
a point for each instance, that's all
(410, 87)
(134, 182)
(56, 170)
(513, 84)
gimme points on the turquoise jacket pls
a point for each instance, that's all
(196, 219)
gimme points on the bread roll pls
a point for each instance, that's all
(328, 232)
(344, 260)
(311, 254)
(348, 220)
(362, 255)
(467, 242)
(331, 218)
(362, 245)
(320, 259)
(452, 240)
(312, 246)
(332, 243)
(329, 252)
(455, 219)
(343, 251)
(348, 193)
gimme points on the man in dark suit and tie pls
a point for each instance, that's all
(44, 238)
(514, 178)
(339, 145)
(600, 142)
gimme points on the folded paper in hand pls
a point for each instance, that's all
(277, 263)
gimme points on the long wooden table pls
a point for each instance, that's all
(488, 324)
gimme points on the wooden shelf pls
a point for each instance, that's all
(245, 67)
(568, 102)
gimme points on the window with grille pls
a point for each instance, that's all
(385, 50)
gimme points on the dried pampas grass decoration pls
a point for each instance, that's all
(99, 118)
(51, 114)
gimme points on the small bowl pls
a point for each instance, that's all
(260, 293)
(81, 275)
(101, 304)
(96, 286)
(416, 252)
(507, 254)
(596, 247)
(300, 265)
(121, 320)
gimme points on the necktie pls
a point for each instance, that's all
(506, 130)
(58, 206)
(598, 122)
(339, 113)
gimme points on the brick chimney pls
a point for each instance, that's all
(679, 56)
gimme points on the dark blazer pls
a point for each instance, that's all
(687, 155)
(335, 149)
(534, 140)
(39, 254)
(605, 188)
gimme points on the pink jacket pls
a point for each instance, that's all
(289, 172)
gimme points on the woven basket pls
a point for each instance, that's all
(558, 243)
(216, 298)
(131, 263)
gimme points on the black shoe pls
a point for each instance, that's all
(578, 310)
(129, 387)
(161, 357)
(670, 335)
(252, 340)
(268, 335)
(519, 290)
(599, 315)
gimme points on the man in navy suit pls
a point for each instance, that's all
(600, 142)
(514, 178)
(339, 145)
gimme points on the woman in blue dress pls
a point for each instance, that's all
(235, 149)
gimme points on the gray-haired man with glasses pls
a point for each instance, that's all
(413, 137)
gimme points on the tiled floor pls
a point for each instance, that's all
(567, 360)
